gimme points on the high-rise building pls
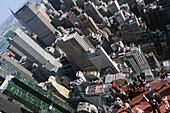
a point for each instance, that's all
(101, 59)
(23, 90)
(56, 4)
(68, 68)
(156, 17)
(31, 49)
(140, 60)
(9, 66)
(32, 19)
(131, 63)
(93, 12)
(113, 6)
(95, 39)
(130, 2)
(132, 30)
(70, 3)
(120, 17)
(75, 48)
(98, 39)
(42, 11)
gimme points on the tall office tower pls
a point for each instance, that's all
(69, 69)
(132, 30)
(68, 20)
(56, 4)
(9, 66)
(96, 2)
(98, 39)
(126, 8)
(23, 90)
(70, 3)
(80, 3)
(156, 17)
(32, 19)
(101, 59)
(130, 2)
(131, 63)
(27, 63)
(74, 18)
(76, 10)
(103, 9)
(31, 49)
(113, 6)
(120, 17)
(75, 48)
(152, 60)
(95, 39)
(106, 1)
(88, 22)
(93, 12)
(90, 26)
(42, 11)
(141, 61)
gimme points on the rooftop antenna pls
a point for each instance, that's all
(11, 11)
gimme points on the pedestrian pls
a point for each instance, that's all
(126, 83)
(157, 97)
(167, 78)
(162, 77)
(128, 109)
(131, 93)
(139, 110)
(130, 87)
(138, 82)
(166, 104)
(142, 81)
(118, 103)
(135, 82)
(153, 104)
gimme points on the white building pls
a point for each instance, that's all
(101, 59)
(31, 49)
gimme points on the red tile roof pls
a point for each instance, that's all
(141, 103)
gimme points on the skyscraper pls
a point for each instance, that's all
(75, 48)
(131, 63)
(102, 60)
(113, 6)
(31, 49)
(141, 61)
(32, 19)
(93, 12)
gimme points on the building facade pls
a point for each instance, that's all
(20, 88)
(75, 48)
(102, 60)
(32, 19)
(31, 49)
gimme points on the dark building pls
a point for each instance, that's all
(156, 17)
(32, 19)
(9, 107)
(56, 4)
(93, 12)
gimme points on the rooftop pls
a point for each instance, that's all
(139, 102)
